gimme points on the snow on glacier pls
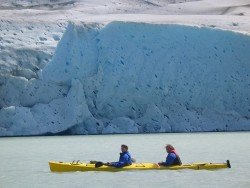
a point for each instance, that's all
(127, 77)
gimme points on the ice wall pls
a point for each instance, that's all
(134, 78)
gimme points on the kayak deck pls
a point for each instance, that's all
(78, 166)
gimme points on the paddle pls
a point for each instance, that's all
(99, 164)
(133, 160)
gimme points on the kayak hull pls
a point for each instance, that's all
(70, 167)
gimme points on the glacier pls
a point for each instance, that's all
(126, 77)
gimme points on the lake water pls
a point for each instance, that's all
(24, 160)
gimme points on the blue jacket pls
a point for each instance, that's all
(124, 160)
(172, 159)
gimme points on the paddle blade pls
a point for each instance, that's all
(133, 160)
(98, 164)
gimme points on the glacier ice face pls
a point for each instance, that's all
(76, 55)
(26, 47)
(134, 78)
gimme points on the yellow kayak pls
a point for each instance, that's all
(78, 166)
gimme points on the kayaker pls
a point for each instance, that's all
(172, 157)
(124, 160)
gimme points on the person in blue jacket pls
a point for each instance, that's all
(124, 160)
(172, 157)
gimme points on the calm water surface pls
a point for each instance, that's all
(24, 160)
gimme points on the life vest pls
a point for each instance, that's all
(177, 160)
